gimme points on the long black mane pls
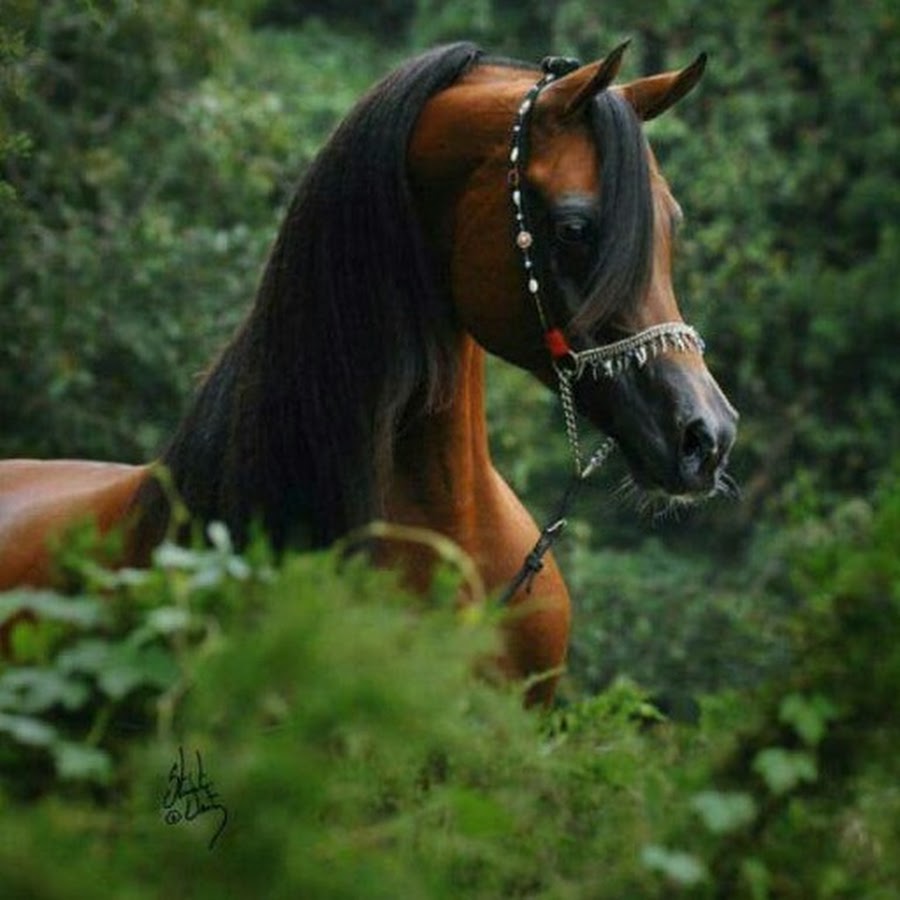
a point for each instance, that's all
(350, 332)
(294, 424)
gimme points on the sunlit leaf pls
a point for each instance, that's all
(680, 868)
(807, 715)
(80, 762)
(27, 730)
(32, 690)
(722, 812)
(783, 770)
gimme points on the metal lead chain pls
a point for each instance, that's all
(570, 416)
(598, 457)
(534, 560)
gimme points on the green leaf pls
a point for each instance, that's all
(678, 867)
(478, 816)
(32, 690)
(724, 811)
(26, 730)
(33, 642)
(783, 770)
(173, 556)
(87, 657)
(129, 667)
(807, 715)
(168, 620)
(218, 535)
(79, 762)
(757, 878)
(120, 668)
(84, 612)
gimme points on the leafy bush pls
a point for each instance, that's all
(345, 738)
(343, 726)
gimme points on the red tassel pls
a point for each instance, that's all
(556, 343)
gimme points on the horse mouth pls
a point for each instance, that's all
(662, 491)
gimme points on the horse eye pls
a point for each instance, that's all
(573, 230)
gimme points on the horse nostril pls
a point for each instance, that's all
(699, 446)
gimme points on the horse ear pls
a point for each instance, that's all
(570, 94)
(654, 95)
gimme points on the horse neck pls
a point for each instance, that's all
(442, 463)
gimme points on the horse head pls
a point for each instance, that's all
(554, 225)
(463, 201)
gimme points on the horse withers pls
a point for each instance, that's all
(466, 204)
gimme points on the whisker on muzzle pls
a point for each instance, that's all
(660, 507)
(727, 486)
(626, 491)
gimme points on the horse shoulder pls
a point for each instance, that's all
(41, 499)
(537, 631)
(497, 532)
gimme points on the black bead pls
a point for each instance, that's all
(559, 65)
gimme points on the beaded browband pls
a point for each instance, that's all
(607, 360)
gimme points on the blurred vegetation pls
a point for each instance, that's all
(163, 144)
(146, 154)
(347, 747)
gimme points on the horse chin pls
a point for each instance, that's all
(655, 502)
(660, 499)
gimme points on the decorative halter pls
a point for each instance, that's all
(604, 361)
(607, 360)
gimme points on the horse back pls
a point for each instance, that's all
(40, 500)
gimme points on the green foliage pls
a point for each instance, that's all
(722, 812)
(145, 207)
(85, 665)
(14, 144)
(345, 737)
(820, 763)
(675, 623)
(504, 26)
(344, 729)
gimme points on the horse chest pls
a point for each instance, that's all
(495, 530)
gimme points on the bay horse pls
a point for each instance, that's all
(466, 204)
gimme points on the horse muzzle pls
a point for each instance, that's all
(673, 423)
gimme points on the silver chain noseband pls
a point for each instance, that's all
(608, 360)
